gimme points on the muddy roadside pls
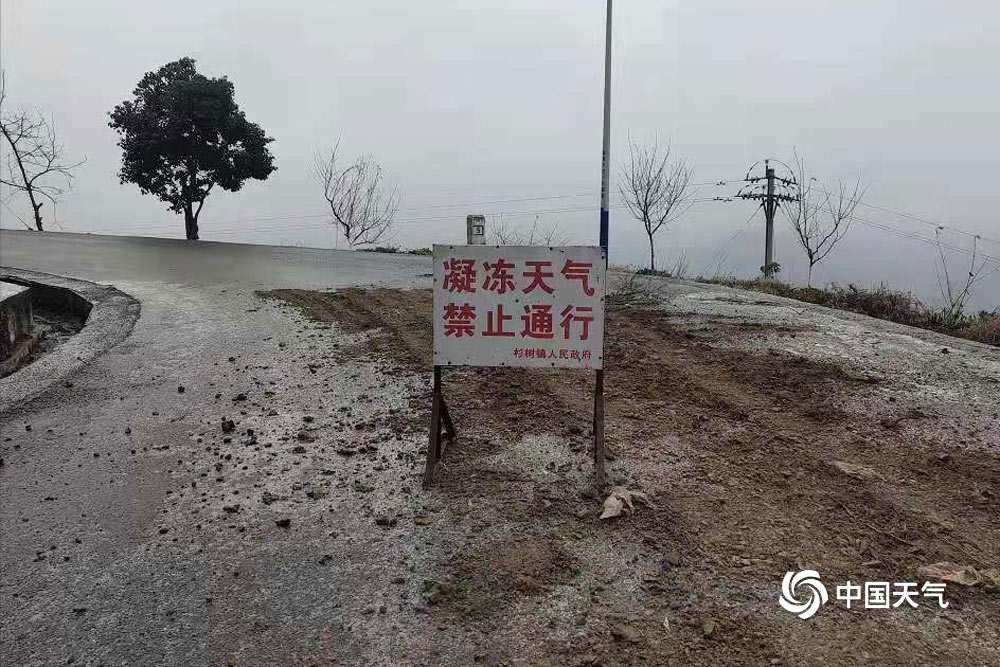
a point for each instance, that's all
(763, 450)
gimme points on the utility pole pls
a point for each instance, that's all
(599, 468)
(606, 144)
(769, 198)
(769, 205)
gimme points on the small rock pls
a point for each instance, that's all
(180, 389)
(283, 523)
(433, 591)
(708, 628)
(624, 632)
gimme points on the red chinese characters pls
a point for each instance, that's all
(537, 274)
(541, 353)
(579, 271)
(494, 322)
(543, 305)
(459, 320)
(499, 279)
(460, 275)
(537, 320)
(576, 314)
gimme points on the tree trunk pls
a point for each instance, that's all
(35, 209)
(652, 254)
(809, 278)
(190, 223)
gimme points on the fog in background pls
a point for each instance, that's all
(466, 102)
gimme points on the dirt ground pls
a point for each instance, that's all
(758, 459)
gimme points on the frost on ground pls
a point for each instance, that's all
(768, 438)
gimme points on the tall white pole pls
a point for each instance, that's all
(606, 146)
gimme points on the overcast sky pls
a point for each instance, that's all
(475, 101)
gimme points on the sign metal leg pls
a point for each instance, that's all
(449, 427)
(434, 440)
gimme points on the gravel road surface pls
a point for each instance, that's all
(228, 486)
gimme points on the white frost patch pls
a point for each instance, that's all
(539, 457)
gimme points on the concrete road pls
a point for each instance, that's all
(115, 548)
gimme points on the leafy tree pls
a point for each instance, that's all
(183, 134)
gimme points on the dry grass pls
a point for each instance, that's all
(881, 302)
(402, 318)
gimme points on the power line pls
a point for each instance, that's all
(915, 218)
(924, 239)
(722, 249)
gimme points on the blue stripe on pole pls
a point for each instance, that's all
(604, 229)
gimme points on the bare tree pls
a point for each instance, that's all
(956, 295)
(503, 233)
(820, 217)
(34, 164)
(656, 189)
(680, 265)
(362, 204)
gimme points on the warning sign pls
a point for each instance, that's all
(532, 306)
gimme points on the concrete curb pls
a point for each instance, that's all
(112, 316)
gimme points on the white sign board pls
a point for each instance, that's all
(519, 306)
